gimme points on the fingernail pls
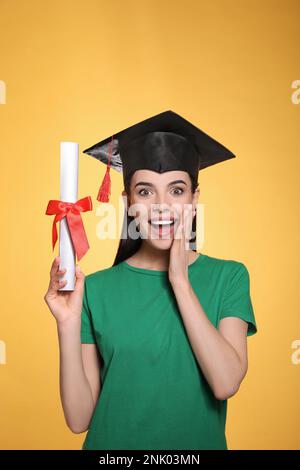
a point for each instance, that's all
(78, 267)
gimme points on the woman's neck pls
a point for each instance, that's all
(148, 257)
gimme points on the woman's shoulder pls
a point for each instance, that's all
(225, 270)
(110, 273)
(227, 264)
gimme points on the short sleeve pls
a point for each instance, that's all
(237, 300)
(87, 330)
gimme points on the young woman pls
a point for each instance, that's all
(152, 347)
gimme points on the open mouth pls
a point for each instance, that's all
(161, 223)
(162, 228)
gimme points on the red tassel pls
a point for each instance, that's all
(104, 190)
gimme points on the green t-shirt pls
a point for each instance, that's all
(153, 393)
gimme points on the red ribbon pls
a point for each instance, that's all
(71, 210)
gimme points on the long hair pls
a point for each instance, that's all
(129, 246)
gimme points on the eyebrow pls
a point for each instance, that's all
(145, 183)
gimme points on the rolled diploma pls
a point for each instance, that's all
(68, 193)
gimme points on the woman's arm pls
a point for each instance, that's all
(92, 365)
(79, 377)
(222, 355)
(79, 365)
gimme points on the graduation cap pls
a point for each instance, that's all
(161, 143)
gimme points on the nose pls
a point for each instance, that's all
(161, 209)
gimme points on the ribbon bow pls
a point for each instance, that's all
(71, 210)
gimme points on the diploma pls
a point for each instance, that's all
(68, 193)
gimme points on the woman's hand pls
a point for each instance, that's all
(179, 251)
(64, 305)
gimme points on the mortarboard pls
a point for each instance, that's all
(163, 142)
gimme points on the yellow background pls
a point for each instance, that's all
(82, 70)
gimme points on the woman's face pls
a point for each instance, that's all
(156, 201)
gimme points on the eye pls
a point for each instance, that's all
(178, 189)
(143, 194)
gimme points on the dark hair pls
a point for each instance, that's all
(128, 246)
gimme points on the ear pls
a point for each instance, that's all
(195, 197)
(125, 195)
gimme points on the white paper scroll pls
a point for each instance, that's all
(68, 193)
